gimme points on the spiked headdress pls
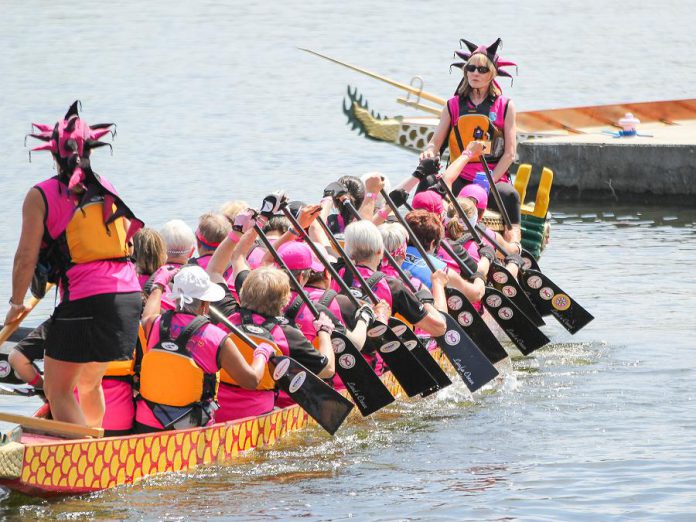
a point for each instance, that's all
(71, 141)
(491, 53)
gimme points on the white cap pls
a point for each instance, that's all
(192, 282)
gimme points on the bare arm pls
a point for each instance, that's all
(433, 323)
(326, 349)
(230, 253)
(153, 308)
(248, 376)
(24, 368)
(510, 143)
(27, 254)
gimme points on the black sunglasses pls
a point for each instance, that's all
(483, 69)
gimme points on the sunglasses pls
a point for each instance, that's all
(483, 69)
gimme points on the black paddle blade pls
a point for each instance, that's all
(413, 378)
(367, 390)
(7, 374)
(321, 402)
(20, 333)
(420, 352)
(529, 260)
(471, 365)
(550, 299)
(473, 324)
(503, 280)
(521, 331)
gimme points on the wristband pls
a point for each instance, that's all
(372, 195)
(296, 233)
(35, 380)
(384, 213)
(466, 153)
(233, 236)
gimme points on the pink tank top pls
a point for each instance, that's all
(203, 345)
(85, 279)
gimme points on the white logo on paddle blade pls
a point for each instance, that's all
(338, 345)
(452, 337)
(546, 293)
(411, 344)
(297, 381)
(455, 302)
(5, 368)
(377, 331)
(494, 301)
(172, 347)
(534, 282)
(281, 369)
(346, 361)
(509, 291)
(500, 277)
(254, 329)
(389, 347)
(505, 313)
(400, 329)
(465, 319)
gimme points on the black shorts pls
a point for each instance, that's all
(100, 328)
(32, 346)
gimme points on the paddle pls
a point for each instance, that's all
(516, 325)
(462, 309)
(367, 390)
(413, 377)
(402, 330)
(470, 362)
(10, 328)
(321, 402)
(550, 299)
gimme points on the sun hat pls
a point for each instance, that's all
(477, 193)
(192, 282)
(298, 256)
(429, 200)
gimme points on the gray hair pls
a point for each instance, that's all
(393, 235)
(179, 238)
(363, 241)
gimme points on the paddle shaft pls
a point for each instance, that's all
(238, 332)
(10, 328)
(460, 212)
(496, 194)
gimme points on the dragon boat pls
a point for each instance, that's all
(40, 464)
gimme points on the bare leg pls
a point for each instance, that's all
(91, 393)
(60, 379)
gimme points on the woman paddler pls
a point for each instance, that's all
(264, 293)
(75, 232)
(185, 352)
(479, 111)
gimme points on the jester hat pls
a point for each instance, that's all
(491, 53)
(71, 139)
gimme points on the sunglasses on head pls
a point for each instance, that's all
(483, 69)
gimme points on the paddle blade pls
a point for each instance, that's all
(529, 260)
(521, 331)
(473, 324)
(410, 374)
(321, 402)
(421, 353)
(470, 362)
(504, 281)
(550, 299)
(364, 386)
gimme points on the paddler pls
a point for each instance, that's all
(479, 111)
(149, 252)
(212, 229)
(185, 352)
(75, 232)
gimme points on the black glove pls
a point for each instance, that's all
(424, 295)
(487, 252)
(273, 203)
(335, 190)
(366, 313)
(515, 259)
(427, 167)
(399, 197)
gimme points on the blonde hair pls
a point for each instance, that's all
(150, 251)
(479, 59)
(266, 290)
(455, 228)
(214, 228)
(230, 209)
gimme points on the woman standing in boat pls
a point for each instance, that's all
(479, 112)
(75, 232)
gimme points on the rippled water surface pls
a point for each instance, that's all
(214, 102)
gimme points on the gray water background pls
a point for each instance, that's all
(213, 102)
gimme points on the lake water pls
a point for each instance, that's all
(213, 102)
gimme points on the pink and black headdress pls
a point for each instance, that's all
(71, 140)
(491, 53)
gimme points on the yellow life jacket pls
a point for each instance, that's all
(120, 368)
(258, 334)
(476, 127)
(168, 374)
(89, 238)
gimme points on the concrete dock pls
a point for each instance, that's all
(594, 164)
